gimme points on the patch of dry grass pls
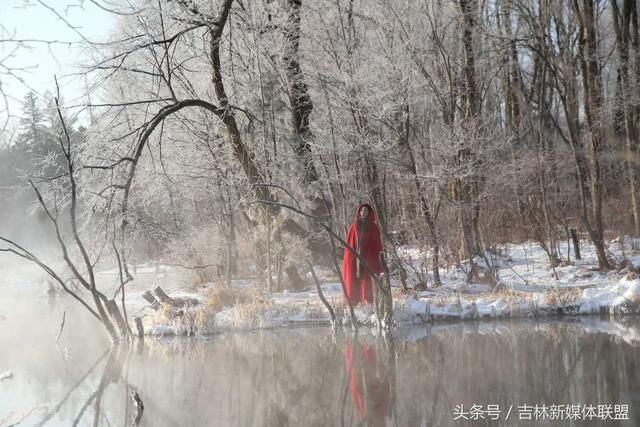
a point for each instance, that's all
(561, 297)
(250, 314)
(442, 300)
(453, 298)
(183, 321)
(510, 293)
(220, 297)
(248, 306)
(512, 296)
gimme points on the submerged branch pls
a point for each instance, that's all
(23, 253)
(55, 410)
(64, 315)
(137, 400)
(320, 294)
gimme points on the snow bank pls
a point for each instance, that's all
(527, 286)
(622, 297)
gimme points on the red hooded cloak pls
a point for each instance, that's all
(367, 234)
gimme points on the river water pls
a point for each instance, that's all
(483, 373)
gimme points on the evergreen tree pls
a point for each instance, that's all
(37, 150)
(32, 121)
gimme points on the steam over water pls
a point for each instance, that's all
(424, 376)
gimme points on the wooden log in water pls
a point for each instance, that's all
(174, 302)
(140, 327)
(166, 299)
(148, 297)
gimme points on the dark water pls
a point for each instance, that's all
(309, 377)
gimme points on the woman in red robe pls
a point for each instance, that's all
(364, 237)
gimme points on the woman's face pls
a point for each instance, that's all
(364, 212)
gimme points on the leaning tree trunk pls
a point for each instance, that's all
(256, 178)
(301, 108)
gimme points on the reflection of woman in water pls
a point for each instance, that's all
(364, 237)
(369, 386)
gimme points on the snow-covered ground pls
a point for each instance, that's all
(527, 286)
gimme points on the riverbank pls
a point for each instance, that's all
(526, 286)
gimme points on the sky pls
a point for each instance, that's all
(39, 62)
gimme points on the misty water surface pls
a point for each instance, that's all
(307, 376)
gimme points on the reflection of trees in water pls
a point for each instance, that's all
(291, 382)
(610, 366)
(96, 396)
(70, 392)
(111, 374)
(314, 378)
(539, 363)
(274, 379)
(303, 380)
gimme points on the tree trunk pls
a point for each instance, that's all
(299, 98)
(621, 25)
(241, 152)
(466, 189)
(593, 105)
(576, 243)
